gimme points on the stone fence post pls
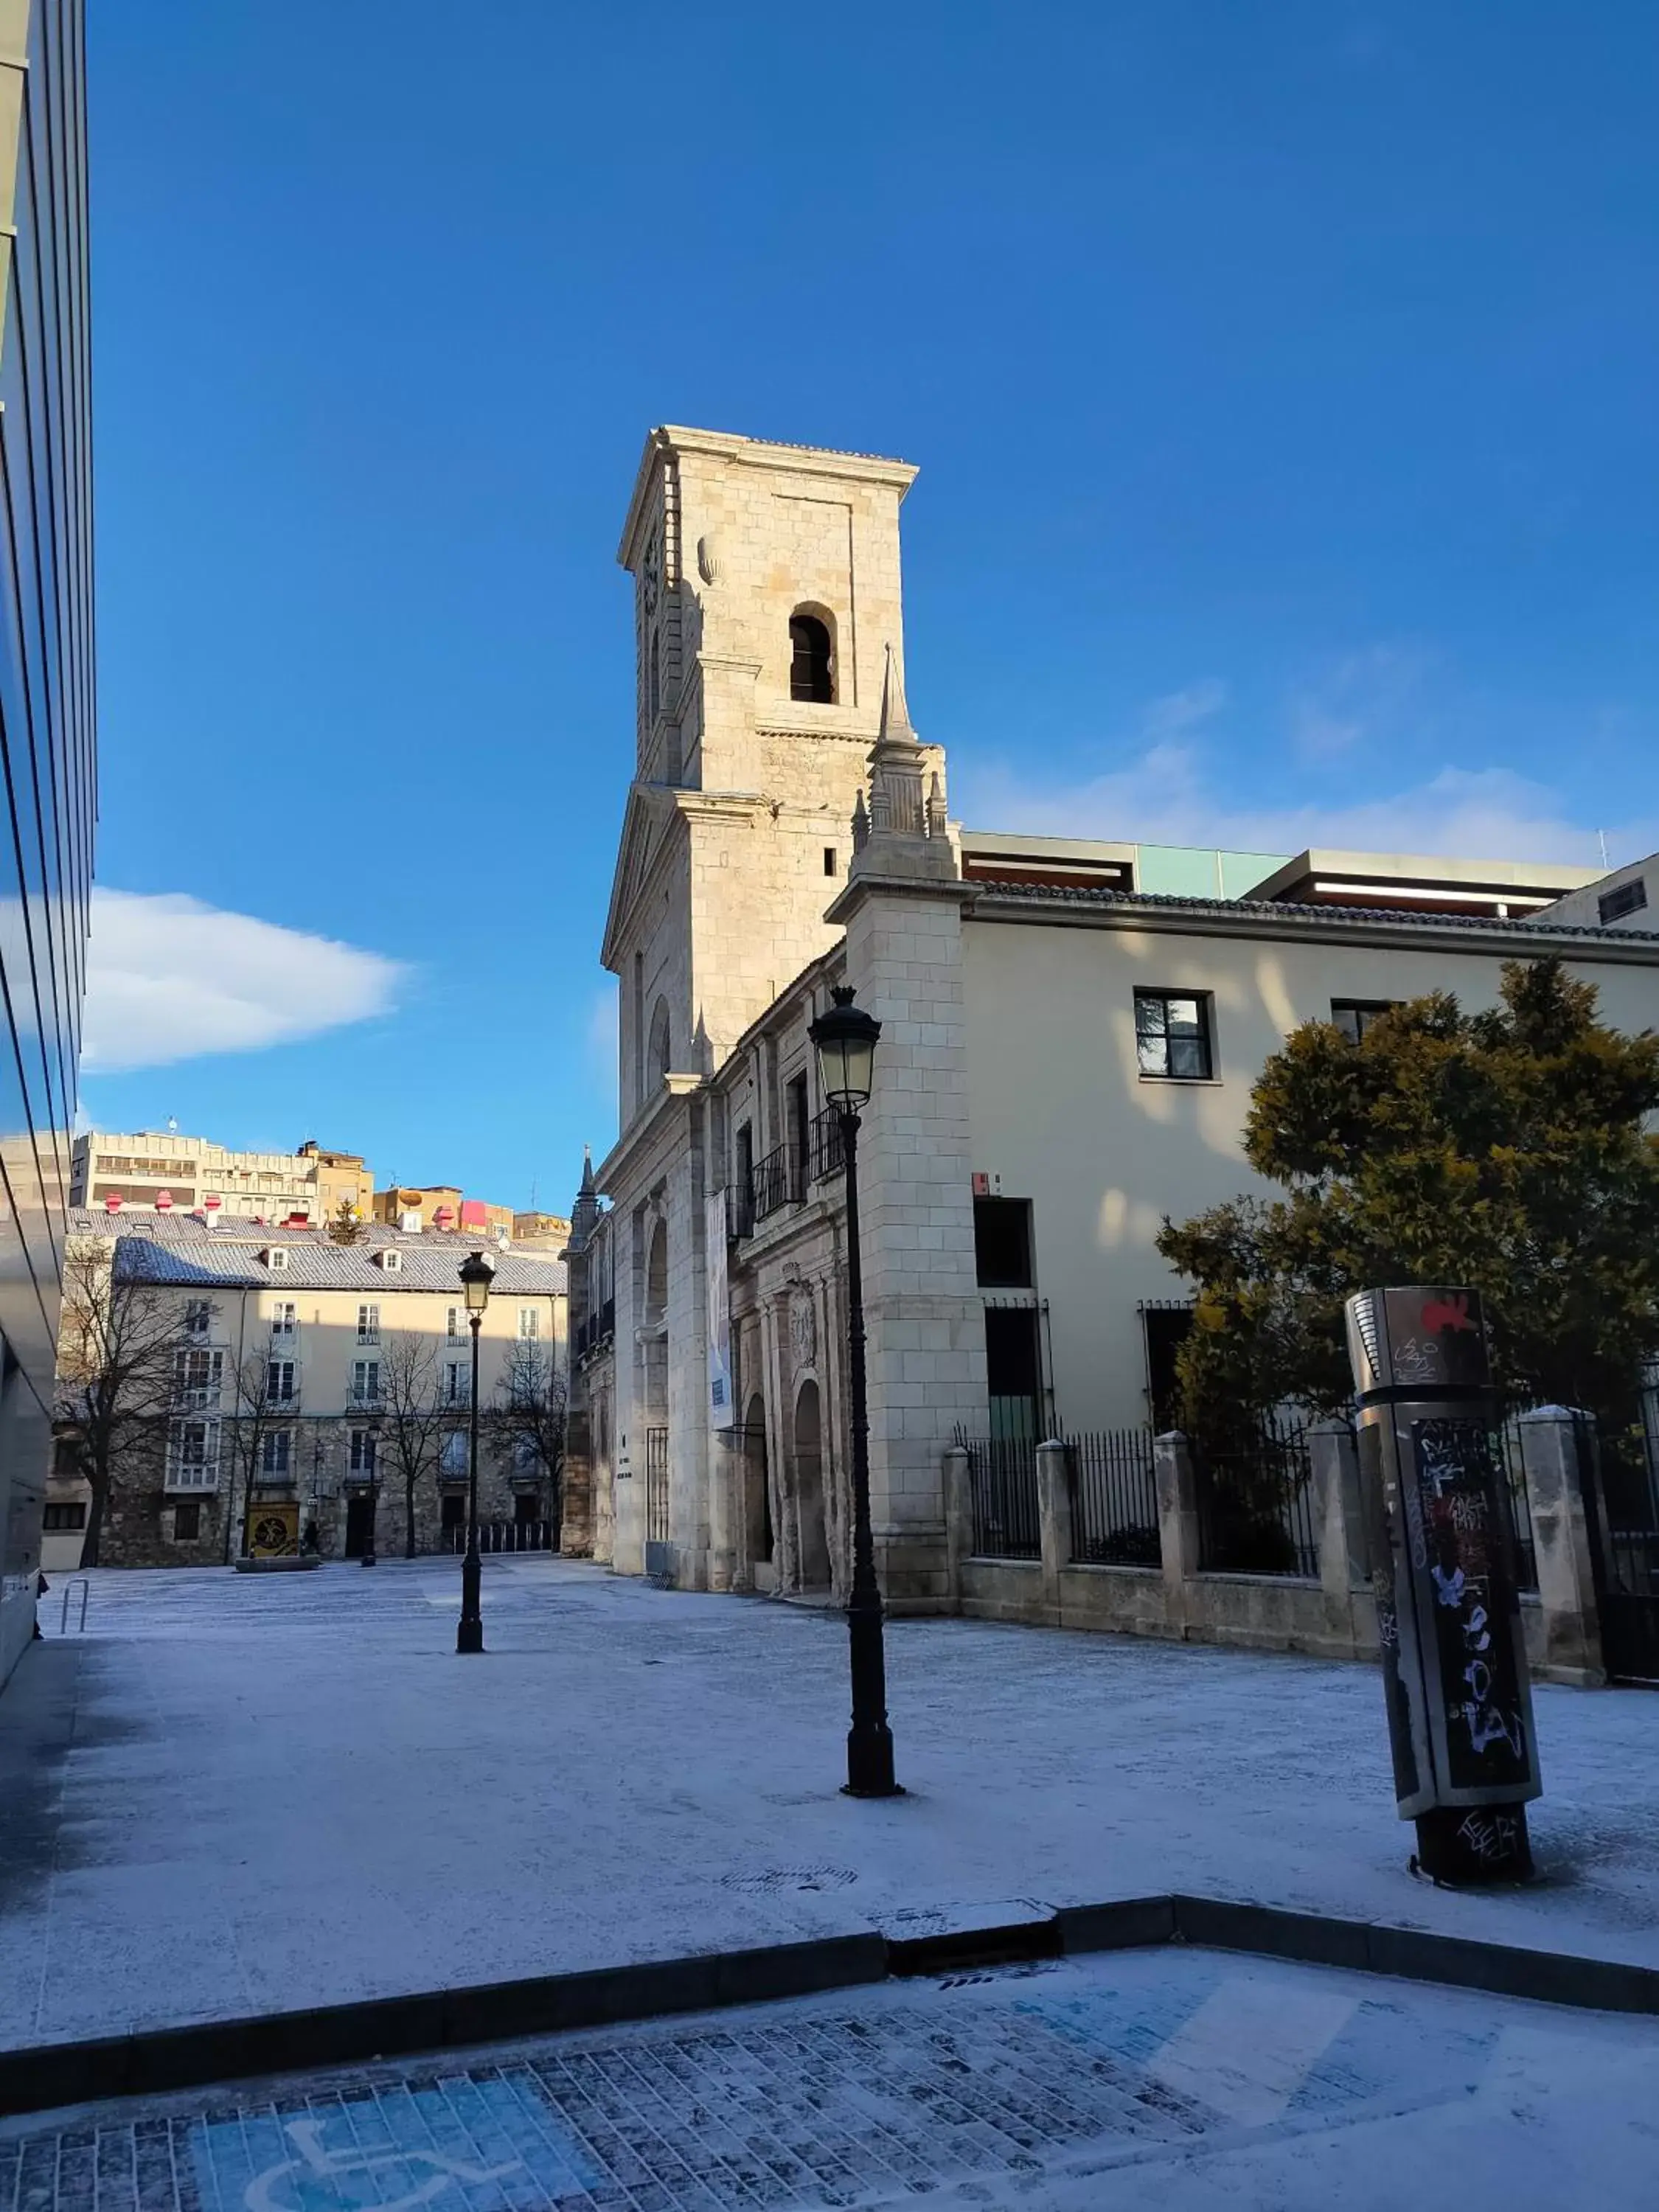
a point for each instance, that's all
(958, 1516)
(1561, 1545)
(1053, 1479)
(1177, 1523)
(1339, 1517)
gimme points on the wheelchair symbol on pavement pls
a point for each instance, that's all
(313, 2164)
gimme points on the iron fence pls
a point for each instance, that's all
(1002, 1473)
(503, 1536)
(1114, 1498)
(1255, 1514)
(1508, 1436)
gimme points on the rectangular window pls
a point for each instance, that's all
(451, 1454)
(284, 1320)
(187, 1522)
(277, 1451)
(455, 1329)
(199, 1316)
(364, 1449)
(369, 1324)
(526, 1458)
(1002, 1244)
(829, 860)
(1353, 1016)
(279, 1382)
(1172, 1035)
(1622, 899)
(65, 1514)
(193, 1456)
(366, 1382)
(197, 1377)
(455, 1383)
(530, 1323)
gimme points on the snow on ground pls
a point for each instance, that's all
(1173, 2079)
(241, 1794)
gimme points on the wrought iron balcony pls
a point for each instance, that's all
(826, 1156)
(779, 1179)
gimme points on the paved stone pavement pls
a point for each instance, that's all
(1179, 2078)
(239, 1795)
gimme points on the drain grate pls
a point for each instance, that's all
(771, 1879)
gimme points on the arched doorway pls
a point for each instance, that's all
(813, 1542)
(756, 1489)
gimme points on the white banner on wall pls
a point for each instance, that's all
(721, 1414)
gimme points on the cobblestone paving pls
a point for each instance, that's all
(972, 2086)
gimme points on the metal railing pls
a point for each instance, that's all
(1255, 1511)
(81, 1583)
(739, 1211)
(1002, 1476)
(1114, 1498)
(1515, 1472)
(656, 1485)
(502, 1536)
(826, 1155)
(778, 1180)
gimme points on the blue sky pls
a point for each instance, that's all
(1281, 377)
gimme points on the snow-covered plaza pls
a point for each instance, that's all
(237, 1795)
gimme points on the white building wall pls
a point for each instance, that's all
(1059, 1112)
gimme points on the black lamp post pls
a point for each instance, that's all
(845, 1040)
(476, 1275)
(372, 1426)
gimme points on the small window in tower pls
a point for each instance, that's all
(829, 860)
(811, 674)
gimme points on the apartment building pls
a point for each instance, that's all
(309, 1385)
(165, 1172)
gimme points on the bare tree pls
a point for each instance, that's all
(414, 1417)
(267, 1403)
(528, 1419)
(123, 1361)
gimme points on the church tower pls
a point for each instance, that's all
(768, 603)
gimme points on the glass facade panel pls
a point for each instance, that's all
(47, 747)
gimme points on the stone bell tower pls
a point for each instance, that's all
(767, 598)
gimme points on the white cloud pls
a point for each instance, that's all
(1365, 695)
(170, 978)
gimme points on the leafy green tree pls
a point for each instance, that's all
(1506, 1149)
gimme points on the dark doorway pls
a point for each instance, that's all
(360, 1523)
(452, 1509)
(526, 1506)
(811, 674)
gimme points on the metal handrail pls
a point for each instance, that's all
(85, 1587)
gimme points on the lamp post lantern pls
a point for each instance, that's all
(844, 1038)
(476, 1275)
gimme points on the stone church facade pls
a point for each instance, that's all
(1066, 1055)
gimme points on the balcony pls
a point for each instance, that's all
(739, 1211)
(196, 1398)
(779, 1179)
(826, 1156)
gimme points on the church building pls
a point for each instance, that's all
(1070, 1030)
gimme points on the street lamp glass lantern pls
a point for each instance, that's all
(845, 1039)
(476, 1276)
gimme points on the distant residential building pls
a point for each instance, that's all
(549, 1232)
(307, 1380)
(46, 684)
(160, 1169)
(443, 1207)
(343, 1179)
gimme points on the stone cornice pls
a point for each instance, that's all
(894, 883)
(670, 438)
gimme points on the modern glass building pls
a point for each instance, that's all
(47, 743)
